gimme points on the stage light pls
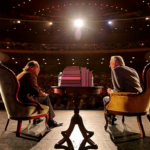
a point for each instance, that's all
(18, 21)
(50, 23)
(109, 22)
(78, 23)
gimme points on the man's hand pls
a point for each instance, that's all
(109, 90)
(45, 94)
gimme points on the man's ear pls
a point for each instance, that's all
(116, 63)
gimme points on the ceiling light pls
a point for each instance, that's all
(18, 21)
(50, 23)
(109, 22)
(78, 23)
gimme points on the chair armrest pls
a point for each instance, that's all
(27, 104)
(123, 94)
(128, 102)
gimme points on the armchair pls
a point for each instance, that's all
(131, 104)
(16, 110)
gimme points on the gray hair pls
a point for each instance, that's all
(30, 64)
(119, 59)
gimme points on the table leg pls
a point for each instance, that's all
(77, 119)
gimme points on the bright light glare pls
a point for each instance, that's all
(109, 22)
(50, 23)
(78, 23)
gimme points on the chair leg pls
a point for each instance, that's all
(7, 124)
(123, 119)
(105, 115)
(19, 128)
(139, 120)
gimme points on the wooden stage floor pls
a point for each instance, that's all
(118, 137)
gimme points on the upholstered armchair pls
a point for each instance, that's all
(131, 104)
(16, 110)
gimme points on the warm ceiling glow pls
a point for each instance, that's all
(78, 23)
(109, 22)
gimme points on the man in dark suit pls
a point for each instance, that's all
(31, 92)
(124, 79)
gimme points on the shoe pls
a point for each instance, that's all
(36, 121)
(55, 124)
(148, 117)
(115, 119)
(109, 115)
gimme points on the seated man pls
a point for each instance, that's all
(124, 79)
(31, 92)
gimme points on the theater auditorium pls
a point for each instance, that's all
(72, 43)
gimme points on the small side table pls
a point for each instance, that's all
(76, 118)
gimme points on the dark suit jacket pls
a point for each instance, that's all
(28, 84)
(125, 79)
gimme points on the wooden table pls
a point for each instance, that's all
(77, 119)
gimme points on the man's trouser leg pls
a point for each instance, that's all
(46, 101)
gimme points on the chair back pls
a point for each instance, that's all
(9, 87)
(145, 95)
